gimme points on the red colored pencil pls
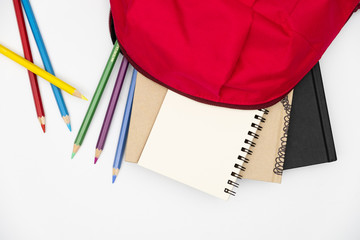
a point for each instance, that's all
(27, 52)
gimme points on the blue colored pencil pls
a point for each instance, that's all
(46, 60)
(124, 128)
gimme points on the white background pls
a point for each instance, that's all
(46, 195)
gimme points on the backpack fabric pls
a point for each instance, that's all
(243, 54)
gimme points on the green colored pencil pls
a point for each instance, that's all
(96, 98)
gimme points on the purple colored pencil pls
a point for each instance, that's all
(111, 108)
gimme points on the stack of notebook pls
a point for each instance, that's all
(210, 148)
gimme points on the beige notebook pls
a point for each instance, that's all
(266, 161)
(147, 102)
(148, 97)
(199, 145)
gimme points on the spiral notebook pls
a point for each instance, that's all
(268, 151)
(264, 165)
(200, 145)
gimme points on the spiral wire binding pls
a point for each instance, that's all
(247, 151)
(280, 159)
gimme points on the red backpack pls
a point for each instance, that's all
(236, 53)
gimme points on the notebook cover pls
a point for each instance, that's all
(199, 144)
(270, 146)
(148, 98)
(310, 139)
(147, 102)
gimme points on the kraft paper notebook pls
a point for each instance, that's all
(147, 103)
(200, 145)
(148, 98)
(310, 125)
(269, 152)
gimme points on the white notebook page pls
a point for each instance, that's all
(198, 144)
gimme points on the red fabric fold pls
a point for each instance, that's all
(234, 53)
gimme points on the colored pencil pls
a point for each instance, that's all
(111, 108)
(124, 129)
(41, 72)
(96, 98)
(27, 52)
(46, 60)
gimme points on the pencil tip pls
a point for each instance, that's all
(113, 179)
(75, 150)
(97, 154)
(69, 126)
(42, 122)
(83, 97)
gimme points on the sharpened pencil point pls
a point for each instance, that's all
(97, 155)
(114, 178)
(75, 150)
(115, 172)
(67, 121)
(76, 93)
(42, 123)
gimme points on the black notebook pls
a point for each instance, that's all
(310, 139)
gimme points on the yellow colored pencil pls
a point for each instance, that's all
(41, 72)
